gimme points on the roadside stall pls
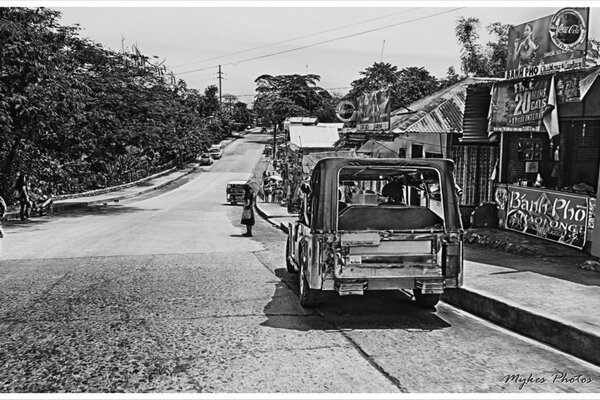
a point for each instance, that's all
(547, 118)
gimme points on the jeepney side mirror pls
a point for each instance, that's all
(305, 188)
(459, 191)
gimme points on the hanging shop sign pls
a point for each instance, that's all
(519, 106)
(373, 111)
(553, 43)
(555, 216)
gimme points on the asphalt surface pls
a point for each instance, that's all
(161, 293)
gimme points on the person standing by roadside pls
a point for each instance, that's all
(22, 189)
(248, 213)
(2, 214)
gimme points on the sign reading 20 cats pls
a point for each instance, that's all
(520, 105)
(555, 216)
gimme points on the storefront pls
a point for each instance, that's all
(546, 117)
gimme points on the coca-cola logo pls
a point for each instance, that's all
(567, 29)
(345, 111)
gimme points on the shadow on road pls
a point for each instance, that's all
(373, 310)
(110, 209)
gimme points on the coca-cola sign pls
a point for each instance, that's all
(567, 29)
(556, 42)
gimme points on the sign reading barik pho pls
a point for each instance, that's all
(556, 42)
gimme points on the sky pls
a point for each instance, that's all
(336, 41)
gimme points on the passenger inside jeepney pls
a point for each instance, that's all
(394, 192)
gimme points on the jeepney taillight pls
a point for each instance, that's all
(452, 256)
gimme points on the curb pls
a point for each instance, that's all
(73, 206)
(14, 214)
(264, 216)
(560, 335)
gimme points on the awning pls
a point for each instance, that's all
(313, 136)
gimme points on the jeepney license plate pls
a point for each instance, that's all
(355, 260)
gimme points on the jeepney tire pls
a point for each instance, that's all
(309, 298)
(426, 300)
(290, 267)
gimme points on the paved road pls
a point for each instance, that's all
(162, 293)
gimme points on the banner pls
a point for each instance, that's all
(373, 111)
(555, 216)
(556, 42)
(520, 106)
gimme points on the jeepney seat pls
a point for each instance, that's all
(364, 217)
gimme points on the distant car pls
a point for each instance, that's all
(206, 159)
(215, 152)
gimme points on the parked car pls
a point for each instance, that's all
(206, 159)
(215, 152)
(377, 224)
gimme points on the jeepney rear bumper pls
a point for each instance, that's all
(391, 284)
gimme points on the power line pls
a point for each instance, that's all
(296, 38)
(324, 41)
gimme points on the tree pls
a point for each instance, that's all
(39, 86)
(282, 96)
(406, 85)
(77, 116)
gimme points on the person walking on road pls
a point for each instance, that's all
(248, 213)
(22, 190)
(2, 214)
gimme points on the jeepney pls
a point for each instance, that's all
(377, 224)
(235, 191)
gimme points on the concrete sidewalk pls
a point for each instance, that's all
(529, 285)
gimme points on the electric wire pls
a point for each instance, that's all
(296, 38)
(322, 42)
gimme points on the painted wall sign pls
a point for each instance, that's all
(556, 42)
(555, 216)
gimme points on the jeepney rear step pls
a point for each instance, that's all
(347, 288)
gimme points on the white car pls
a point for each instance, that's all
(206, 159)
(215, 152)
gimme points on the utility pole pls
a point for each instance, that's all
(220, 96)
(308, 92)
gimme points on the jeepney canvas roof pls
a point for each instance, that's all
(324, 185)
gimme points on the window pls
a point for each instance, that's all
(417, 151)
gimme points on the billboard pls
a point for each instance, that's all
(520, 106)
(555, 216)
(373, 111)
(555, 42)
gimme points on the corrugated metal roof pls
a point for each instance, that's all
(302, 120)
(440, 112)
(337, 125)
(313, 136)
